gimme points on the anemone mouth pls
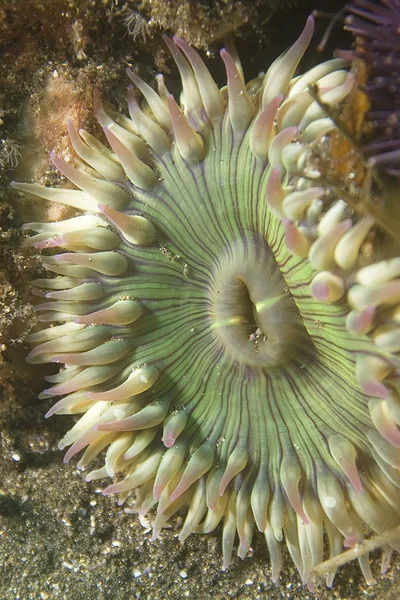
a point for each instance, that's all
(252, 312)
(228, 328)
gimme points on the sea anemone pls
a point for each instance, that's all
(228, 324)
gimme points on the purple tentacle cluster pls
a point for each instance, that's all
(377, 30)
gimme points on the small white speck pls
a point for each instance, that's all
(329, 502)
(115, 543)
(144, 379)
(248, 582)
(136, 574)
(66, 523)
(16, 457)
(145, 523)
(119, 413)
(312, 173)
(183, 574)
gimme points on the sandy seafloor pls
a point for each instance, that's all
(59, 537)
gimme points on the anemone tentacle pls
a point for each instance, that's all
(229, 329)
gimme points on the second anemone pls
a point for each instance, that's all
(228, 327)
